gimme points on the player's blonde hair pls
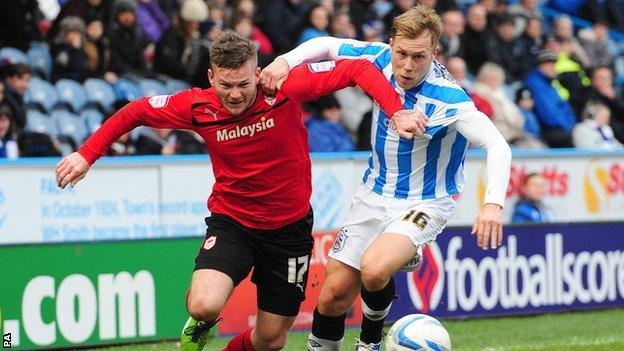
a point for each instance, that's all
(415, 21)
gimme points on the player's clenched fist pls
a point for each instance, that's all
(409, 123)
(272, 77)
(71, 169)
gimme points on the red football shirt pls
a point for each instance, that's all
(260, 158)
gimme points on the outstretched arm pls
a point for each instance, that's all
(314, 50)
(159, 112)
(311, 81)
(479, 130)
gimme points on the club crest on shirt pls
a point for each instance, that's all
(270, 100)
(340, 241)
(324, 66)
(159, 101)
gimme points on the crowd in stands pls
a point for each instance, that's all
(546, 72)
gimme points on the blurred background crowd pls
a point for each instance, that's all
(548, 73)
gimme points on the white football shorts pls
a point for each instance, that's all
(372, 214)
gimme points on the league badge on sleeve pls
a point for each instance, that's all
(324, 66)
(159, 101)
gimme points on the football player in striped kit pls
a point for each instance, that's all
(406, 195)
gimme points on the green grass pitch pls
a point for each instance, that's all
(587, 331)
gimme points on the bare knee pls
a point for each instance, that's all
(375, 277)
(334, 301)
(201, 308)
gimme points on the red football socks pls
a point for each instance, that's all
(241, 342)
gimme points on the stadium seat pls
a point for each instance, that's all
(92, 118)
(126, 89)
(40, 60)
(41, 94)
(151, 87)
(12, 55)
(70, 126)
(72, 93)
(36, 121)
(174, 85)
(100, 92)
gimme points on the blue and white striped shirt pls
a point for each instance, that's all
(430, 166)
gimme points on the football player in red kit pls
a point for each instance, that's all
(260, 202)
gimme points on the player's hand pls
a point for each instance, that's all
(71, 169)
(272, 77)
(489, 226)
(409, 123)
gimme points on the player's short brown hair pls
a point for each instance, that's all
(232, 51)
(416, 20)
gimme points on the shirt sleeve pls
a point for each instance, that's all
(311, 81)
(330, 48)
(479, 130)
(162, 111)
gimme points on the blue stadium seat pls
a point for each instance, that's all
(72, 93)
(39, 122)
(93, 119)
(70, 126)
(40, 60)
(126, 89)
(175, 85)
(100, 92)
(151, 87)
(41, 94)
(12, 55)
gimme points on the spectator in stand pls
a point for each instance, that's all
(507, 117)
(97, 51)
(373, 31)
(533, 40)
(360, 12)
(597, 45)
(611, 11)
(595, 131)
(341, 26)
(16, 81)
(69, 60)
(452, 30)
(571, 77)
(474, 37)
(507, 50)
(521, 12)
(243, 26)
(182, 53)
(86, 9)
(19, 21)
(262, 42)
(530, 207)
(151, 19)
(525, 102)
(563, 29)
(314, 24)
(127, 40)
(603, 90)
(457, 67)
(8, 145)
(281, 18)
(555, 115)
(325, 133)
